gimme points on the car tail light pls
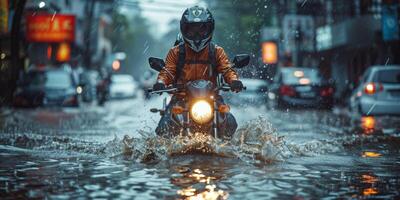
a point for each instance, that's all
(71, 101)
(20, 101)
(372, 88)
(287, 90)
(328, 91)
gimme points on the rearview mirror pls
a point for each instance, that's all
(241, 60)
(156, 63)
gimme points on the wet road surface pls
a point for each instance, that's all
(111, 152)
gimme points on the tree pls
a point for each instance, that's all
(132, 36)
(238, 24)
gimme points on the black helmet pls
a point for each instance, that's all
(197, 26)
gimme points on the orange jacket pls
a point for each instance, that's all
(192, 72)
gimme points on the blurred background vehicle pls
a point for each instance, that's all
(302, 87)
(255, 93)
(88, 81)
(378, 92)
(103, 86)
(123, 86)
(147, 81)
(46, 87)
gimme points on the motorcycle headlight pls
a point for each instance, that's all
(201, 112)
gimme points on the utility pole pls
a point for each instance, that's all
(87, 36)
(15, 47)
(329, 15)
(297, 35)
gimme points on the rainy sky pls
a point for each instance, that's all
(171, 9)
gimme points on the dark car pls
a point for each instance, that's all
(49, 87)
(302, 87)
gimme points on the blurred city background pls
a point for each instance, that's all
(341, 39)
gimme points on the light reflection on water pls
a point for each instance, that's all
(368, 167)
(368, 124)
(194, 177)
(370, 154)
(208, 191)
(370, 189)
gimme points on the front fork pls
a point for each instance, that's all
(216, 121)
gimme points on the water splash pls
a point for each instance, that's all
(256, 142)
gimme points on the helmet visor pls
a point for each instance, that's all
(197, 31)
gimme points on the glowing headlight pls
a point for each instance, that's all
(201, 112)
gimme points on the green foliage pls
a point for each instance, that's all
(132, 36)
(238, 24)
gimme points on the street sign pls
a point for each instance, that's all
(50, 28)
(390, 23)
(298, 27)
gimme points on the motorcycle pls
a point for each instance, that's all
(201, 108)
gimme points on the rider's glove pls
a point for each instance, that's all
(236, 86)
(158, 86)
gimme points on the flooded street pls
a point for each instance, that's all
(199, 99)
(112, 152)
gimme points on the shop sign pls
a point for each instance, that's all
(50, 28)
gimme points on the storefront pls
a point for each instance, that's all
(346, 49)
(50, 38)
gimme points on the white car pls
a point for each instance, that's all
(123, 86)
(378, 92)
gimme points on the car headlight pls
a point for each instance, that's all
(201, 112)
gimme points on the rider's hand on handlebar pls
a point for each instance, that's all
(159, 86)
(236, 86)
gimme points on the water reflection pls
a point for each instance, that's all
(198, 178)
(370, 191)
(367, 178)
(368, 124)
(370, 180)
(370, 154)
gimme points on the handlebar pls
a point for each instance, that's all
(151, 91)
(225, 88)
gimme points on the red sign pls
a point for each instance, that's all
(50, 28)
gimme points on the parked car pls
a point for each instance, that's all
(255, 93)
(378, 92)
(300, 86)
(123, 86)
(47, 87)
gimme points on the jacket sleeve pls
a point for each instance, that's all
(171, 62)
(223, 66)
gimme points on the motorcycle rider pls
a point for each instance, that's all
(193, 59)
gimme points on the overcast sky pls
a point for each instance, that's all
(161, 12)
